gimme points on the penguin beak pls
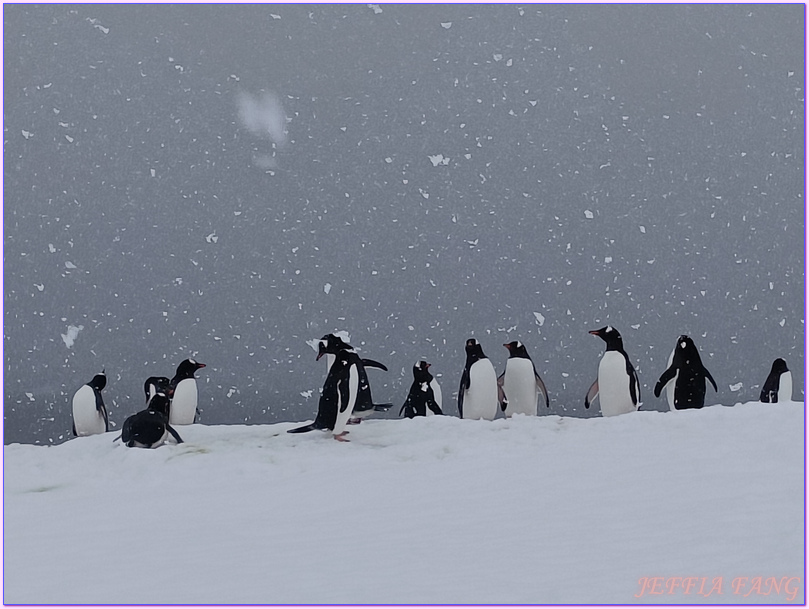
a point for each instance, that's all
(321, 351)
(593, 332)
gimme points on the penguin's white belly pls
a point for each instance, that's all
(670, 386)
(520, 387)
(184, 403)
(480, 400)
(437, 396)
(87, 419)
(785, 387)
(613, 385)
(344, 414)
(672, 383)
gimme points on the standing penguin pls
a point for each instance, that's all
(520, 385)
(616, 385)
(477, 395)
(330, 345)
(686, 377)
(424, 398)
(340, 390)
(183, 392)
(156, 384)
(150, 427)
(89, 413)
(778, 386)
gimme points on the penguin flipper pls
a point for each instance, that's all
(542, 389)
(303, 429)
(77, 435)
(433, 405)
(664, 379)
(462, 389)
(710, 378)
(634, 383)
(174, 434)
(592, 394)
(370, 363)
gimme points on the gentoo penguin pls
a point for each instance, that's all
(425, 397)
(183, 392)
(330, 345)
(340, 390)
(520, 385)
(150, 427)
(89, 413)
(778, 386)
(155, 384)
(616, 385)
(686, 377)
(477, 395)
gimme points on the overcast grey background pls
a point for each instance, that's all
(641, 166)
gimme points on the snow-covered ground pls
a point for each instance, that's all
(431, 510)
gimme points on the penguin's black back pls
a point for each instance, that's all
(769, 392)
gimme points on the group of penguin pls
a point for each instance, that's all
(168, 403)
(346, 395)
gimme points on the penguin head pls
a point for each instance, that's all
(156, 384)
(686, 352)
(331, 344)
(611, 336)
(159, 403)
(474, 350)
(421, 372)
(779, 366)
(99, 381)
(187, 368)
(516, 349)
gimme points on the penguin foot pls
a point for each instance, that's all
(341, 437)
(354, 421)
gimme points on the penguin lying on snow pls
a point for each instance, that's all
(778, 386)
(685, 378)
(520, 385)
(425, 396)
(616, 385)
(183, 393)
(477, 395)
(89, 413)
(150, 427)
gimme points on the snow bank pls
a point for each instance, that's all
(439, 510)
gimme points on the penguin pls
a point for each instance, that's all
(183, 392)
(365, 404)
(155, 384)
(686, 377)
(340, 390)
(89, 413)
(477, 395)
(425, 397)
(520, 384)
(778, 386)
(150, 427)
(616, 385)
